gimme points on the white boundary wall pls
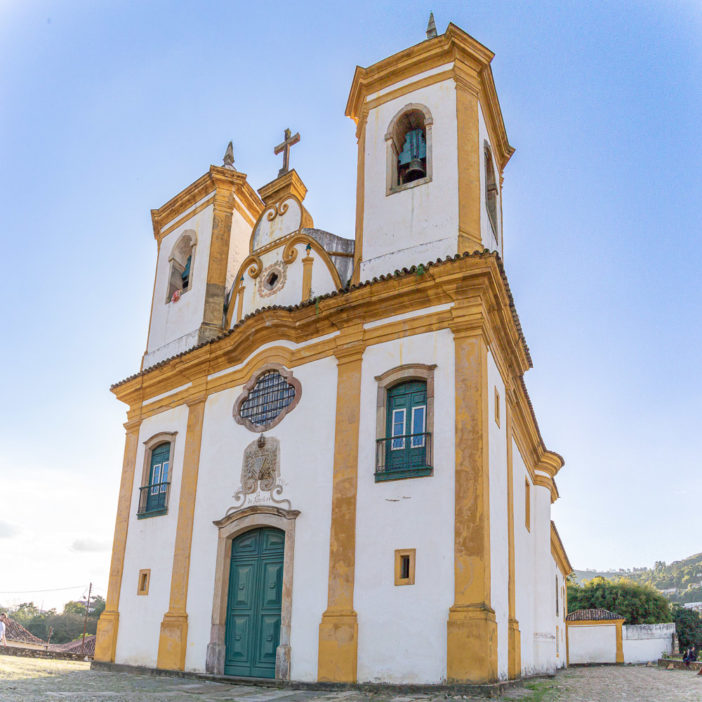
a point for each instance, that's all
(646, 642)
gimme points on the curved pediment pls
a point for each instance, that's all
(277, 221)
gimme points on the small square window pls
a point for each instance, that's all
(404, 566)
(144, 579)
(497, 407)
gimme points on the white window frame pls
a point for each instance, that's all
(419, 440)
(397, 444)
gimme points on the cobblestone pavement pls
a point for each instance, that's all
(31, 679)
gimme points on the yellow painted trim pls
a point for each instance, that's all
(559, 553)
(547, 482)
(360, 197)
(619, 655)
(338, 630)
(620, 643)
(476, 278)
(290, 254)
(471, 627)
(200, 189)
(411, 554)
(455, 47)
(403, 90)
(173, 639)
(527, 504)
(143, 581)
(179, 222)
(514, 648)
(106, 641)
(307, 263)
(469, 190)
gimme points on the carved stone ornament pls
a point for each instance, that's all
(272, 279)
(260, 475)
(267, 397)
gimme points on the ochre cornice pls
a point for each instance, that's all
(218, 181)
(470, 69)
(289, 183)
(559, 553)
(474, 283)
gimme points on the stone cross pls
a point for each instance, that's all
(285, 148)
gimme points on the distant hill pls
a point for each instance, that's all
(679, 581)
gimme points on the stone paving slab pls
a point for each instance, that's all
(36, 680)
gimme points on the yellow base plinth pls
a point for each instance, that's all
(106, 641)
(172, 642)
(514, 662)
(471, 645)
(338, 647)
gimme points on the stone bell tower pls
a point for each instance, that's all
(432, 147)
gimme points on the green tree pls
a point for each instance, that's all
(637, 604)
(688, 626)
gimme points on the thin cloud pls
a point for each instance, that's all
(89, 545)
(7, 530)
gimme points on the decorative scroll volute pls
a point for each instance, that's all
(277, 221)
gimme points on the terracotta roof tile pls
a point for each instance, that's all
(591, 615)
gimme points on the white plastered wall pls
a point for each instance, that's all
(524, 562)
(238, 246)
(490, 241)
(150, 544)
(499, 546)
(306, 438)
(559, 616)
(402, 629)
(544, 591)
(419, 224)
(592, 644)
(290, 293)
(173, 323)
(647, 642)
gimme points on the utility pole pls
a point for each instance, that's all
(85, 621)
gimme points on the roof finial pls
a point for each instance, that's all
(228, 159)
(431, 27)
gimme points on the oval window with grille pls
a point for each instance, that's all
(268, 396)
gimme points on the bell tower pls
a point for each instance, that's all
(432, 147)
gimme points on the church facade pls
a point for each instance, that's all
(332, 468)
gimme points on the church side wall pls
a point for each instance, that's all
(172, 320)
(402, 629)
(561, 661)
(544, 591)
(150, 545)
(499, 546)
(490, 241)
(524, 563)
(306, 438)
(419, 224)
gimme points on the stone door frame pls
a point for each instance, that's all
(231, 526)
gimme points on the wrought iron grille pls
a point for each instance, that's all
(153, 498)
(267, 399)
(405, 456)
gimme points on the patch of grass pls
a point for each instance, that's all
(540, 690)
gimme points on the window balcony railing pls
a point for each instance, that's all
(405, 456)
(153, 500)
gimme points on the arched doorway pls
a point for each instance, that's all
(254, 603)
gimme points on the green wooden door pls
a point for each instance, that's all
(406, 424)
(253, 609)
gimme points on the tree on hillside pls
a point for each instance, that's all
(637, 604)
(688, 626)
(97, 606)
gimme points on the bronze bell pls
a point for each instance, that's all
(415, 170)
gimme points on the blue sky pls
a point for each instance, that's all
(110, 108)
